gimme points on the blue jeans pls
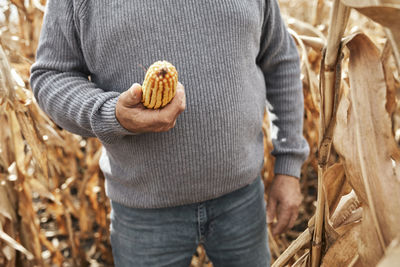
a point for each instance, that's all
(232, 228)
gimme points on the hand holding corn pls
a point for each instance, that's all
(135, 117)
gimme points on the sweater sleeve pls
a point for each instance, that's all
(60, 80)
(279, 60)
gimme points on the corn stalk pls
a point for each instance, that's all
(27, 227)
(329, 92)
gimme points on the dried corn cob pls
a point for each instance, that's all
(159, 85)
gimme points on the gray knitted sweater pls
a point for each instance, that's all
(231, 56)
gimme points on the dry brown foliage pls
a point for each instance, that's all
(53, 208)
(358, 204)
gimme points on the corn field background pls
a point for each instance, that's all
(53, 208)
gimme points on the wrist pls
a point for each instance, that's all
(285, 176)
(105, 124)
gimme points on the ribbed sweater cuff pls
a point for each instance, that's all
(106, 126)
(288, 165)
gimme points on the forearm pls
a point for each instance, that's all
(280, 63)
(75, 104)
(59, 79)
(286, 98)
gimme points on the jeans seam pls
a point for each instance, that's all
(201, 220)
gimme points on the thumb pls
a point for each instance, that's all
(132, 96)
(271, 209)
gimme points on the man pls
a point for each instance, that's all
(188, 173)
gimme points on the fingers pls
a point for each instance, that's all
(178, 103)
(271, 209)
(134, 116)
(167, 116)
(285, 197)
(283, 217)
(286, 218)
(293, 219)
(132, 96)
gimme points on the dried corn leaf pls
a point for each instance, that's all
(310, 79)
(391, 101)
(345, 208)
(39, 188)
(303, 261)
(5, 153)
(295, 246)
(342, 252)
(6, 83)
(57, 257)
(386, 13)
(36, 145)
(304, 28)
(18, 142)
(363, 138)
(15, 245)
(392, 257)
(29, 227)
(7, 209)
(335, 185)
